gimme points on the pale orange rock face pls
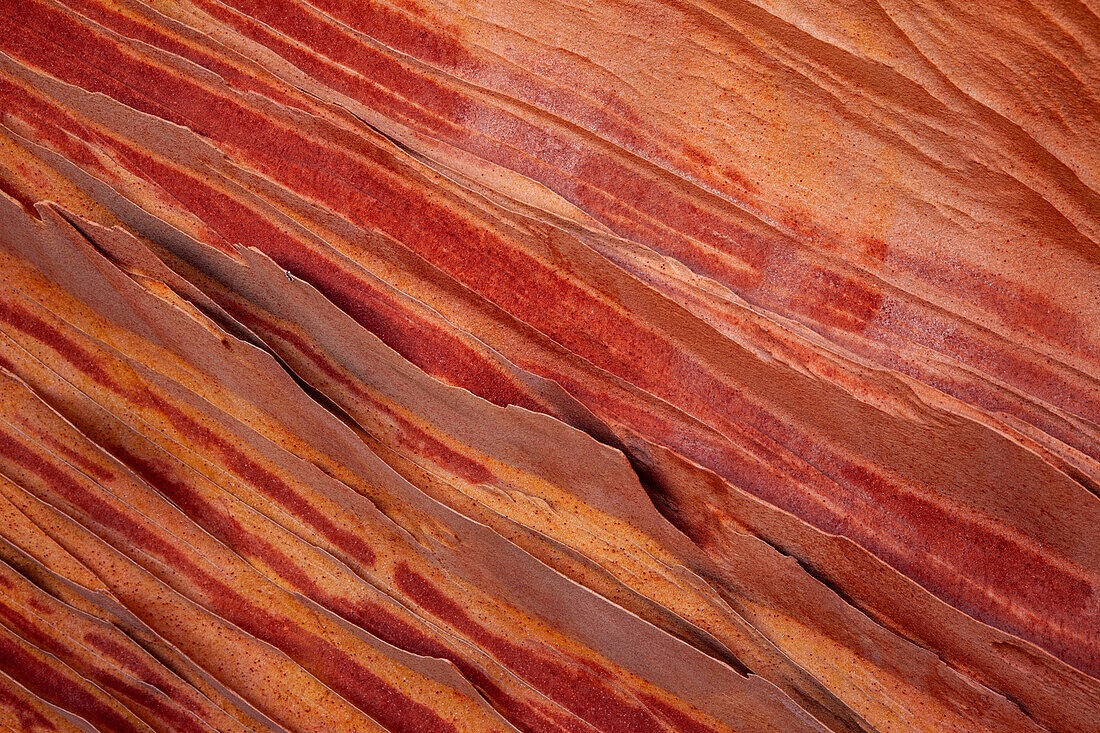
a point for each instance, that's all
(624, 366)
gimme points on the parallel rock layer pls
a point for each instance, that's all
(608, 366)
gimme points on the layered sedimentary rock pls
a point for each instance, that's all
(598, 366)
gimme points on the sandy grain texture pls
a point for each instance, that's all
(633, 366)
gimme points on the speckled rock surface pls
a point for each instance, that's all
(606, 365)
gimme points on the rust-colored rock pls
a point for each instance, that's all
(598, 366)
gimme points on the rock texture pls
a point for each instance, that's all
(627, 366)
